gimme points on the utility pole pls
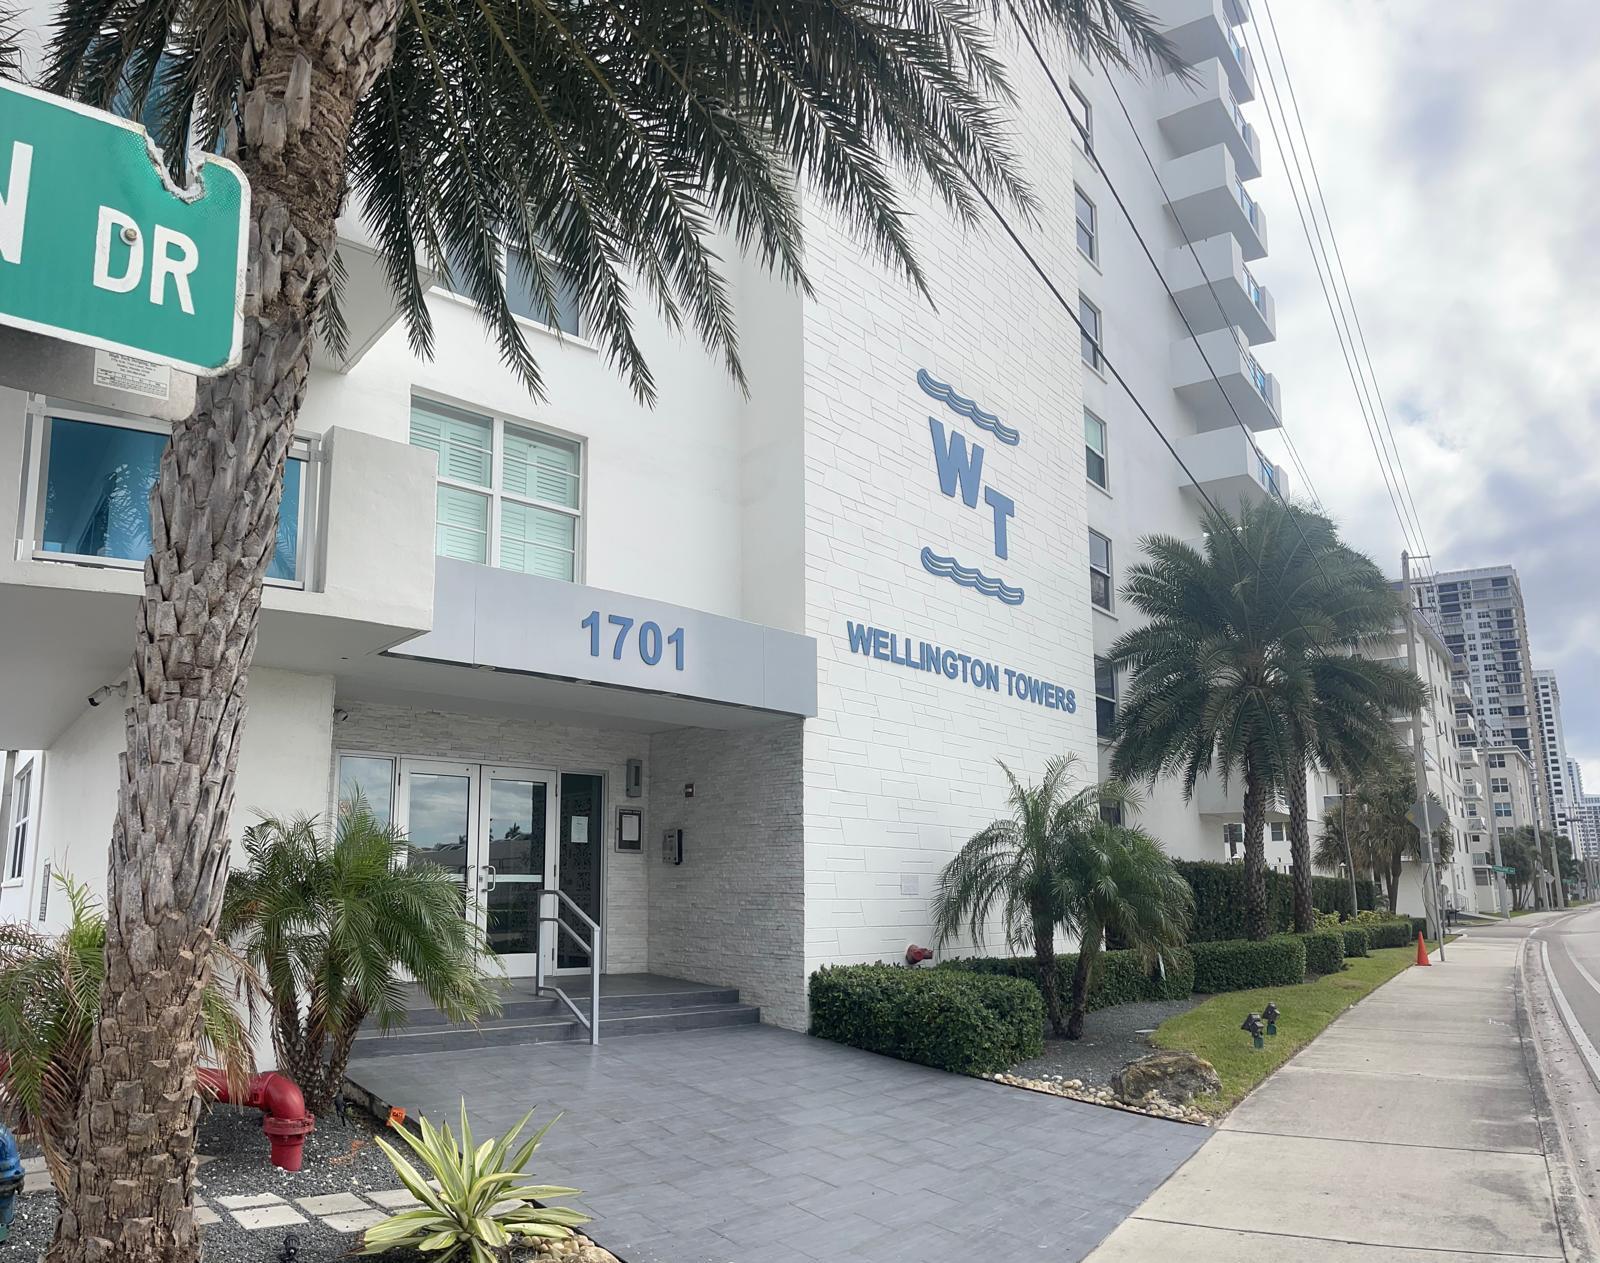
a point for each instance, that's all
(1554, 898)
(1430, 904)
(1494, 839)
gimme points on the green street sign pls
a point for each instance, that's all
(98, 247)
(1501, 868)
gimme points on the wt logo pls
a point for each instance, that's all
(959, 465)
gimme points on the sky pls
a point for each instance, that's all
(1459, 153)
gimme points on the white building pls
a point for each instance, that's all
(1207, 235)
(731, 674)
(1585, 813)
(1559, 793)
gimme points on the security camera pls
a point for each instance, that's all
(104, 691)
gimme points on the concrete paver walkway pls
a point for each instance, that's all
(755, 1145)
(1408, 1132)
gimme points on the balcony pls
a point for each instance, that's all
(1219, 290)
(351, 570)
(1247, 390)
(1207, 198)
(1198, 115)
(1202, 30)
(1227, 469)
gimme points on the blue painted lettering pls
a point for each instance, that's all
(860, 637)
(958, 464)
(1004, 509)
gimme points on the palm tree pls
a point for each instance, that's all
(330, 917)
(49, 1002)
(1373, 818)
(607, 145)
(1217, 686)
(1057, 865)
(1343, 604)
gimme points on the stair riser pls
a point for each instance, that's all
(535, 1009)
(553, 1031)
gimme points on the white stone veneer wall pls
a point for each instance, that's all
(732, 914)
(900, 764)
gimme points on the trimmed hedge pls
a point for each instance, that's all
(1219, 898)
(1389, 932)
(1119, 977)
(949, 1019)
(1355, 940)
(1324, 951)
(1243, 964)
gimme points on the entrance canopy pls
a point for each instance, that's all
(504, 642)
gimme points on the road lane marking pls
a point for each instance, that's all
(1579, 1036)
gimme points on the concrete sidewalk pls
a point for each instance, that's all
(1409, 1132)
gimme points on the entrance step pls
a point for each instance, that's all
(539, 1020)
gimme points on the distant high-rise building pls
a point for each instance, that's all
(1557, 787)
(1585, 811)
(1480, 614)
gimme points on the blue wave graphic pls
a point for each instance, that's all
(967, 408)
(967, 577)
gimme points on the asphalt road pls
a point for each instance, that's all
(1573, 940)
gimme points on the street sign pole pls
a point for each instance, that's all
(1501, 893)
(1431, 902)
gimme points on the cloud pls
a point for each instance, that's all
(1461, 165)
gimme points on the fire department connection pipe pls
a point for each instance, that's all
(283, 1112)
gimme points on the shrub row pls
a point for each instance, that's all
(1324, 951)
(950, 1019)
(1119, 977)
(1384, 931)
(1219, 898)
(1243, 964)
(1356, 941)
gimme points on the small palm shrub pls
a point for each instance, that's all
(49, 1005)
(471, 1197)
(333, 918)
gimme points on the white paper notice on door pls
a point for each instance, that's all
(580, 830)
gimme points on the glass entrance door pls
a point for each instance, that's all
(516, 862)
(490, 828)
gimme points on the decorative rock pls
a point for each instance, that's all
(1153, 1105)
(1174, 1075)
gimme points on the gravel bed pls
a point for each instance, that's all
(1111, 1038)
(338, 1159)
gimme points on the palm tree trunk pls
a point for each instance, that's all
(1305, 912)
(1391, 881)
(1044, 953)
(1256, 924)
(1082, 975)
(213, 521)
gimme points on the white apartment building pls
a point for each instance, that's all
(731, 674)
(1207, 235)
(1558, 790)
(1481, 616)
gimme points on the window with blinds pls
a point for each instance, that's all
(508, 495)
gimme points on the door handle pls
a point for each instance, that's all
(488, 877)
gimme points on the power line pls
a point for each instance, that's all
(1319, 256)
(1294, 101)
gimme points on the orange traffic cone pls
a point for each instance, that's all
(1422, 951)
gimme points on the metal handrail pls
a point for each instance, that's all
(591, 949)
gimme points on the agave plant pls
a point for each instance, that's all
(473, 1202)
(49, 1004)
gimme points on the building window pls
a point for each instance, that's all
(1094, 449)
(1502, 810)
(1100, 570)
(371, 778)
(95, 495)
(1105, 698)
(1089, 316)
(1083, 116)
(1088, 226)
(524, 296)
(508, 495)
(1111, 813)
(1500, 784)
(21, 822)
(1279, 831)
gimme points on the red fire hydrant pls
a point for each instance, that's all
(283, 1110)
